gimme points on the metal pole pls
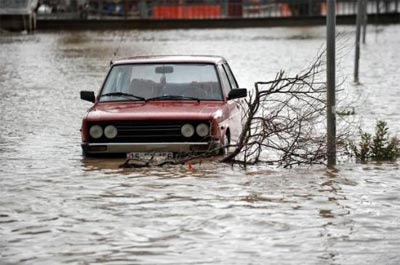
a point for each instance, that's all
(358, 33)
(365, 20)
(125, 9)
(330, 81)
(377, 7)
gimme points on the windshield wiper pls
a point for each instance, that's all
(172, 97)
(122, 94)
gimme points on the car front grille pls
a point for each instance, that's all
(149, 132)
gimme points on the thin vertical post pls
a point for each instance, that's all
(358, 33)
(377, 7)
(364, 20)
(125, 9)
(331, 82)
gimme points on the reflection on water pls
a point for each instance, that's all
(57, 207)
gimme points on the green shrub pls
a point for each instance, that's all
(378, 147)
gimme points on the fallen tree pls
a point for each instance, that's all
(285, 118)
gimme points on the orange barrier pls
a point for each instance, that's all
(285, 10)
(195, 11)
(323, 8)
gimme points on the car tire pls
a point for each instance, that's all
(226, 143)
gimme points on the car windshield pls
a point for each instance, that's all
(162, 82)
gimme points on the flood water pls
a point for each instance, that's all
(58, 208)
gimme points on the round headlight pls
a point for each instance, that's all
(187, 130)
(96, 131)
(110, 131)
(202, 130)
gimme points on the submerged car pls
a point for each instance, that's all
(174, 104)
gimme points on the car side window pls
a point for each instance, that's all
(225, 80)
(232, 79)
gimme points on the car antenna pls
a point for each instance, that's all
(118, 48)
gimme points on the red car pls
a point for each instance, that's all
(174, 104)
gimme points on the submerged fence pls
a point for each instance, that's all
(201, 9)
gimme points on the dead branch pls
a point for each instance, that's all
(285, 121)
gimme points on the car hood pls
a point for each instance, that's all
(157, 110)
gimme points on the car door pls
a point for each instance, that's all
(234, 120)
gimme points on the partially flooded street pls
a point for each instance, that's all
(57, 207)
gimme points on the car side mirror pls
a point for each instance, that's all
(88, 96)
(237, 93)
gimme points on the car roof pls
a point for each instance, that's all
(172, 59)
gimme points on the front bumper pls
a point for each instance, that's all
(178, 147)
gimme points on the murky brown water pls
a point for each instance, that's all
(58, 208)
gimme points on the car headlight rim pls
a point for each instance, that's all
(96, 131)
(202, 130)
(187, 130)
(110, 132)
